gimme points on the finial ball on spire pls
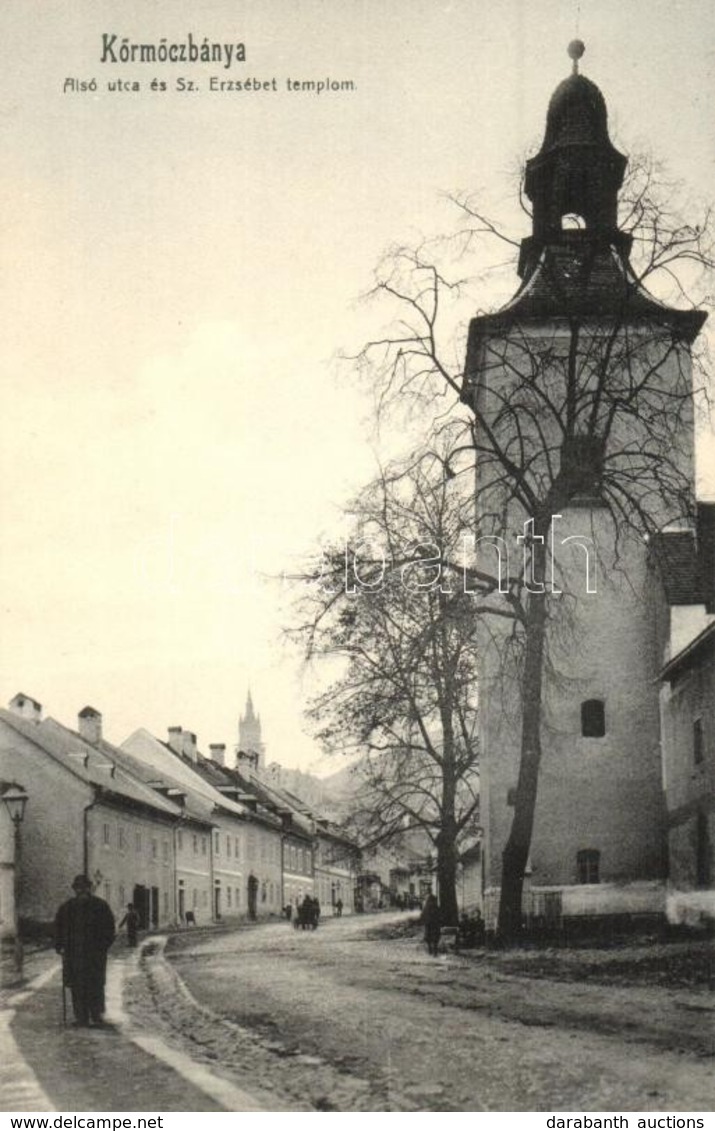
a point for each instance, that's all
(576, 49)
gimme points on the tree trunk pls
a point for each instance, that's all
(446, 842)
(447, 877)
(516, 850)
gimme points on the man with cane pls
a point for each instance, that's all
(84, 932)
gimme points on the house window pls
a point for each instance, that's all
(138, 842)
(179, 840)
(228, 897)
(196, 845)
(121, 836)
(228, 845)
(698, 741)
(108, 892)
(203, 846)
(165, 851)
(217, 843)
(154, 848)
(122, 895)
(587, 866)
(236, 851)
(106, 834)
(593, 718)
(166, 903)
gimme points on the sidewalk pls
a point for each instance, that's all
(47, 1067)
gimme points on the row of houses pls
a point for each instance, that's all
(182, 836)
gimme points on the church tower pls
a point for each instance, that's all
(249, 733)
(581, 390)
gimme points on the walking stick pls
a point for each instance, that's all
(64, 997)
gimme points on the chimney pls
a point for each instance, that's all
(26, 707)
(188, 742)
(218, 753)
(175, 739)
(246, 762)
(89, 725)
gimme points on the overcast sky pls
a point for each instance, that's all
(179, 270)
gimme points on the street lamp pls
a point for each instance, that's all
(15, 800)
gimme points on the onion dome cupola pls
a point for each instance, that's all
(575, 264)
(573, 180)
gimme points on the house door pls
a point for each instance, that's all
(552, 908)
(182, 903)
(252, 896)
(154, 906)
(217, 902)
(140, 900)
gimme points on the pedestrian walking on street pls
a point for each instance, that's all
(131, 919)
(432, 921)
(339, 908)
(84, 932)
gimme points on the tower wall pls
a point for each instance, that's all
(598, 795)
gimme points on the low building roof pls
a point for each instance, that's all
(678, 562)
(201, 777)
(96, 767)
(693, 653)
(194, 806)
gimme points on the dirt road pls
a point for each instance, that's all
(337, 1020)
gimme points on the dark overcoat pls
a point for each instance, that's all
(84, 932)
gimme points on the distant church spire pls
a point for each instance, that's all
(249, 731)
(250, 714)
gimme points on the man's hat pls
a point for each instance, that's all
(81, 881)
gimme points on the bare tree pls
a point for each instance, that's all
(391, 605)
(579, 391)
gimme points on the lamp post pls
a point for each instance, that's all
(15, 800)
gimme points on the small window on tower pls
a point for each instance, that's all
(582, 467)
(572, 222)
(697, 741)
(593, 718)
(588, 862)
(703, 871)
